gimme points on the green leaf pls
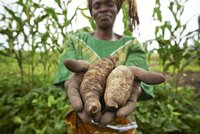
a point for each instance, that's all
(13, 14)
(158, 122)
(44, 37)
(157, 12)
(158, 2)
(18, 120)
(156, 32)
(51, 11)
(58, 2)
(40, 19)
(36, 5)
(51, 101)
(171, 6)
(34, 101)
(90, 19)
(170, 127)
(7, 32)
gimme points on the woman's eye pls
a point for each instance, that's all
(96, 6)
(110, 4)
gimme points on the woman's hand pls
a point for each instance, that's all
(72, 86)
(127, 109)
(130, 106)
(140, 75)
(72, 89)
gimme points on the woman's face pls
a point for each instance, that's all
(104, 13)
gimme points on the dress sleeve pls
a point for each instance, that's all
(62, 73)
(137, 57)
(76, 49)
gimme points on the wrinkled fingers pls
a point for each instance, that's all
(147, 77)
(73, 92)
(76, 66)
(130, 106)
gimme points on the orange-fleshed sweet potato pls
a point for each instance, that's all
(93, 84)
(118, 87)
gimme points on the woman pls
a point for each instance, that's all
(99, 44)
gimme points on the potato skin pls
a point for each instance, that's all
(118, 87)
(94, 81)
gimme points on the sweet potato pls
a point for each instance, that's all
(93, 84)
(118, 87)
(119, 84)
(123, 111)
(120, 95)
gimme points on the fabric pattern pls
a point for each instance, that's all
(76, 126)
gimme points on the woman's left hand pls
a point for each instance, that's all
(130, 106)
(127, 109)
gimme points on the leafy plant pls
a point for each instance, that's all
(168, 112)
(41, 111)
(174, 41)
(31, 26)
(127, 29)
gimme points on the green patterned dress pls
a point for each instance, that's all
(84, 46)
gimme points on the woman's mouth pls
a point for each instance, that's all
(105, 17)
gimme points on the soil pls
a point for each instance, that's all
(190, 79)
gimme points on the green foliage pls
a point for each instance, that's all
(176, 45)
(170, 111)
(41, 111)
(174, 51)
(89, 18)
(127, 29)
(34, 27)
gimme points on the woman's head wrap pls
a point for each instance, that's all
(132, 5)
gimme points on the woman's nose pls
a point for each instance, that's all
(103, 8)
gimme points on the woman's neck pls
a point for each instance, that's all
(105, 35)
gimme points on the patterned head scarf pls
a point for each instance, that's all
(132, 5)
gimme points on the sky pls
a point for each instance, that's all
(145, 31)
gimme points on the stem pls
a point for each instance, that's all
(19, 62)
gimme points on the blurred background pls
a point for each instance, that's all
(33, 34)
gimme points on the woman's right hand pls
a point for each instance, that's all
(72, 86)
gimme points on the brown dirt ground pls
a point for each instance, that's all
(190, 79)
(187, 79)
